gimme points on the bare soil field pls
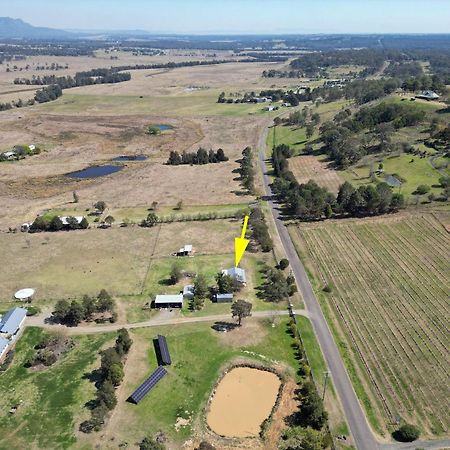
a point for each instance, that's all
(388, 305)
(307, 168)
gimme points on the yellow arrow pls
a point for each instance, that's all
(240, 243)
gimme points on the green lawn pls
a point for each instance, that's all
(198, 356)
(420, 171)
(51, 401)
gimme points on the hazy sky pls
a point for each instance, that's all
(237, 16)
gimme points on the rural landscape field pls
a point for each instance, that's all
(227, 241)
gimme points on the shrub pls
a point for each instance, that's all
(283, 264)
(422, 189)
(406, 433)
(327, 288)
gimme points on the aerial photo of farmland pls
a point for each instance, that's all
(224, 225)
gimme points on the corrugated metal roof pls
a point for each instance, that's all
(11, 320)
(236, 273)
(3, 344)
(165, 298)
(224, 296)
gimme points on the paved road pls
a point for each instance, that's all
(361, 432)
(172, 319)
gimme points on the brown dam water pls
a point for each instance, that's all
(244, 398)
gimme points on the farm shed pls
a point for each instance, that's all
(187, 250)
(66, 222)
(163, 351)
(10, 155)
(12, 321)
(147, 385)
(223, 298)
(237, 274)
(169, 301)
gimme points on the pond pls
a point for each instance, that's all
(163, 127)
(94, 171)
(244, 398)
(130, 158)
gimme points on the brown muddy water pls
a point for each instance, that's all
(244, 398)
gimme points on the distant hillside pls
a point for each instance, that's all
(17, 28)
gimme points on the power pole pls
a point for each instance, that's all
(327, 374)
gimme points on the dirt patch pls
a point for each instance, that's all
(250, 333)
(243, 400)
(49, 351)
(307, 168)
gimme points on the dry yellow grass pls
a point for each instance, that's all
(307, 168)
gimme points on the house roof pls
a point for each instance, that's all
(165, 299)
(10, 153)
(236, 273)
(64, 219)
(11, 320)
(3, 344)
(187, 248)
(224, 296)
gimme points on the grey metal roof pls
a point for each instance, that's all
(3, 344)
(177, 298)
(237, 274)
(11, 320)
(224, 296)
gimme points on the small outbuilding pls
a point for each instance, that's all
(237, 274)
(169, 301)
(12, 321)
(10, 156)
(66, 219)
(223, 298)
(428, 95)
(188, 291)
(187, 250)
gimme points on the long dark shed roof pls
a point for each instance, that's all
(147, 385)
(164, 350)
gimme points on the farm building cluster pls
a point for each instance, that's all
(19, 152)
(188, 293)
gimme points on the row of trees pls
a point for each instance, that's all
(247, 170)
(308, 426)
(87, 308)
(110, 375)
(94, 76)
(54, 223)
(48, 93)
(260, 230)
(198, 158)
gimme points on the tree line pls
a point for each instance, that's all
(109, 376)
(73, 313)
(309, 201)
(201, 156)
(48, 94)
(86, 78)
(247, 170)
(260, 230)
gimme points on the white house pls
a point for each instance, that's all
(65, 222)
(187, 250)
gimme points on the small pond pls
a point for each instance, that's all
(130, 158)
(163, 126)
(94, 171)
(243, 399)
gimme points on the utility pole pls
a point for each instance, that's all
(327, 374)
